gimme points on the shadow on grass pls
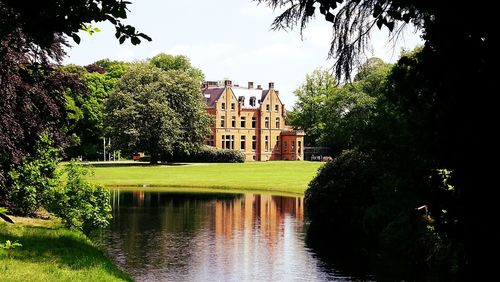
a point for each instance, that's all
(59, 247)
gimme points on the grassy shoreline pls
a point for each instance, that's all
(272, 177)
(50, 252)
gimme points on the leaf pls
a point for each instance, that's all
(122, 39)
(135, 40)
(377, 10)
(118, 34)
(380, 22)
(329, 17)
(76, 38)
(96, 29)
(390, 25)
(144, 36)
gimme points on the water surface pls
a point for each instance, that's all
(161, 236)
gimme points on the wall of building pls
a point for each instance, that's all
(267, 136)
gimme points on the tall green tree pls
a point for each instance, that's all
(180, 63)
(311, 105)
(157, 111)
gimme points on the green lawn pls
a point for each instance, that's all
(276, 176)
(52, 253)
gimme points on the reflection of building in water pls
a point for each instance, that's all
(138, 197)
(262, 213)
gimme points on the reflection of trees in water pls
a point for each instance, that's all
(175, 232)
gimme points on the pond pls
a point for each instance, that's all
(177, 236)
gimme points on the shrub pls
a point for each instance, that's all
(34, 179)
(36, 184)
(210, 155)
(340, 193)
(80, 204)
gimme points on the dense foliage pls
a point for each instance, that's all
(40, 20)
(80, 204)
(86, 124)
(380, 175)
(440, 93)
(158, 111)
(209, 155)
(35, 180)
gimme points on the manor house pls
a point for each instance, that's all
(251, 120)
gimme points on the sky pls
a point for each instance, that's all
(228, 39)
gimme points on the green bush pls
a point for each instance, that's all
(339, 195)
(80, 204)
(210, 155)
(37, 184)
(34, 179)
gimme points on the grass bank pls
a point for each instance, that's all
(276, 176)
(50, 252)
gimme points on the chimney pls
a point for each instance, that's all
(259, 87)
(227, 83)
(271, 85)
(250, 85)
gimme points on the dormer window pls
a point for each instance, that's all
(241, 99)
(252, 101)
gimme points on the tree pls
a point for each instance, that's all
(157, 111)
(87, 128)
(311, 106)
(454, 72)
(181, 63)
(32, 100)
(40, 21)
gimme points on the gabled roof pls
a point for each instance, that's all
(212, 95)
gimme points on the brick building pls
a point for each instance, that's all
(251, 120)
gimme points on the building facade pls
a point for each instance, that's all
(251, 120)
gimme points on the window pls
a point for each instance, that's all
(277, 122)
(276, 108)
(242, 122)
(252, 101)
(267, 107)
(222, 123)
(253, 122)
(278, 141)
(243, 142)
(223, 106)
(232, 106)
(227, 141)
(266, 143)
(233, 121)
(300, 147)
(254, 143)
(241, 99)
(266, 122)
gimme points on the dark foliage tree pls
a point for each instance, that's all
(444, 90)
(32, 99)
